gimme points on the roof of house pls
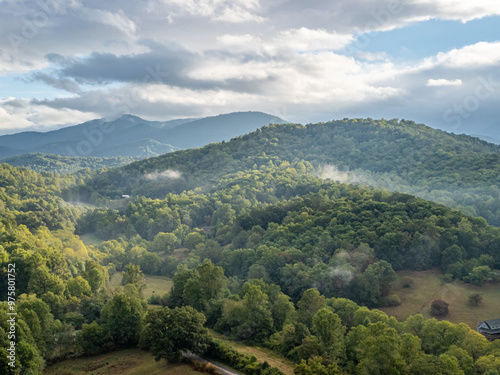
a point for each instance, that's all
(493, 323)
(491, 326)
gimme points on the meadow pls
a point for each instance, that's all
(124, 362)
(429, 286)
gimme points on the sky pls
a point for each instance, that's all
(432, 61)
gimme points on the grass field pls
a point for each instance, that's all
(262, 354)
(90, 239)
(159, 284)
(428, 286)
(124, 362)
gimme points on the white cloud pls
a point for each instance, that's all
(229, 55)
(304, 39)
(443, 82)
(459, 10)
(232, 11)
(472, 56)
(115, 19)
(19, 114)
(372, 56)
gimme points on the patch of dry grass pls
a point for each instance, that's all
(263, 354)
(159, 284)
(124, 362)
(428, 286)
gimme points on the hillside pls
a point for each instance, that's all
(65, 164)
(131, 136)
(457, 170)
(268, 257)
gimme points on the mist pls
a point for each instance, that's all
(168, 174)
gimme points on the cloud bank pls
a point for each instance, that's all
(307, 62)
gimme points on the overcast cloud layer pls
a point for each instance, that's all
(68, 61)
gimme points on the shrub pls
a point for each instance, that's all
(407, 282)
(155, 299)
(475, 299)
(439, 308)
(392, 300)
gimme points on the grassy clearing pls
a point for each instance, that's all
(262, 354)
(90, 239)
(180, 254)
(124, 362)
(159, 284)
(428, 286)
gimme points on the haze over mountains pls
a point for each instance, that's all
(131, 136)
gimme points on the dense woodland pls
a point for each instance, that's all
(273, 255)
(457, 170)
(66, 164)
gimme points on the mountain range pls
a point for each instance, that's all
(132, 136)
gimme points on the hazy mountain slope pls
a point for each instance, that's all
(64, 164)
(201, 132)
(132, 136)
(457, 170)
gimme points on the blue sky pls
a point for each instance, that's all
(428, 38)
(433, 61)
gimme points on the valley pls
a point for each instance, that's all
(272, 253)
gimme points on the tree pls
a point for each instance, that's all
(96, 275)
(133, 275)
(205, 284)
(480, 275)
(384, 275)
(78, 287)
(43, 281)
(167, 242)
(439, 308)
(169, 332)
(122, 317)
(193, 239)
(258, 322)
(328, 328)
(310, 303)
(475, 299)
(92, 339)
(283, 311)
(314, 366)
(379, 351)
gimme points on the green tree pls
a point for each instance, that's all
(330, 332)
(167, 242)
(379, 352)
(257, 320)
(314, 366)
(133, 275)
(193, 239)
(310, 303)
(122, 316)
(78, 287)
(96, 275)
(480, 275)
(43, 281)
(169, 332)
(92, 339)
(205, 284)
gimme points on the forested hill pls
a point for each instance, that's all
(268, 258)
(458, 170)
(65, 164)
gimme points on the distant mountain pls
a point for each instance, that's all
(131, 136)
